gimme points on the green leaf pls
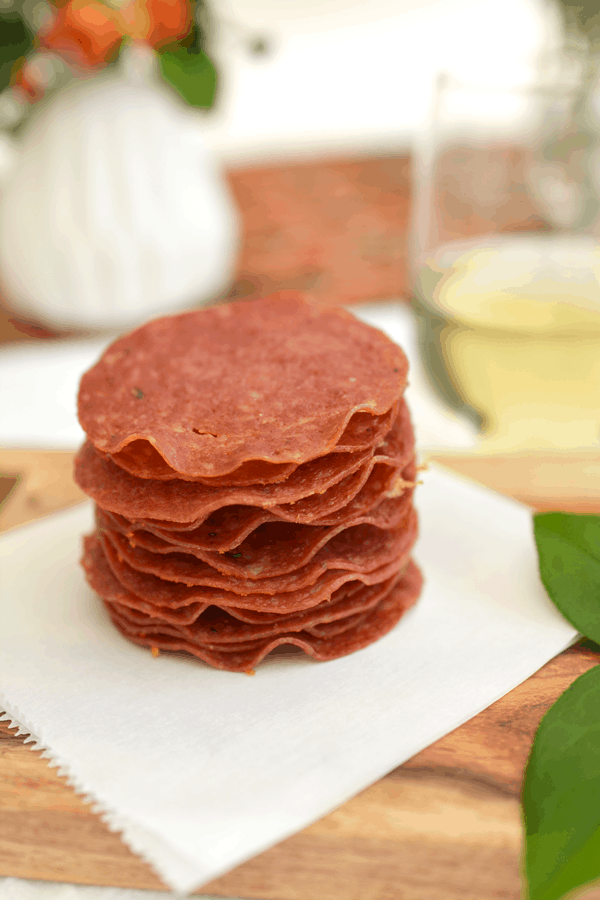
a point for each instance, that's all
(561, 794)
(569, 558)
(15, 41)
(190, 73)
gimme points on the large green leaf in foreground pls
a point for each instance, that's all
(561, 794)
(569, 557)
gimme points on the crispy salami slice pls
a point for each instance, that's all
(275, 380)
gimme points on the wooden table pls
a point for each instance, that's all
(443, 826)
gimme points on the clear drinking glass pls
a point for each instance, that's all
(505, 256)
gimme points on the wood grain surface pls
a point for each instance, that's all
(443, 826)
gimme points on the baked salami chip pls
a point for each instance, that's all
(276, 380)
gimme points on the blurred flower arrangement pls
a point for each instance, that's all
(46, 43)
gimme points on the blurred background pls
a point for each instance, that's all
(434, 165)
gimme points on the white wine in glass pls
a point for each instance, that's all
(506, 274)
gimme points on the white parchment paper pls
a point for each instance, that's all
(202, 769)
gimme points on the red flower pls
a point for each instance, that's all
(159, 22)
(84, 32)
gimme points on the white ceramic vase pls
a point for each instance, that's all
(113, 208)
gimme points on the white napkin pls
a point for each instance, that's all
(39, 382)
(38, 392)
(201, 769)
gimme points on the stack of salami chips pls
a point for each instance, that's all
(253, 467)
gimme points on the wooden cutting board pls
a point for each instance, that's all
(444, 826)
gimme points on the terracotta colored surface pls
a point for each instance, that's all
(444, 826)
(336, 229)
